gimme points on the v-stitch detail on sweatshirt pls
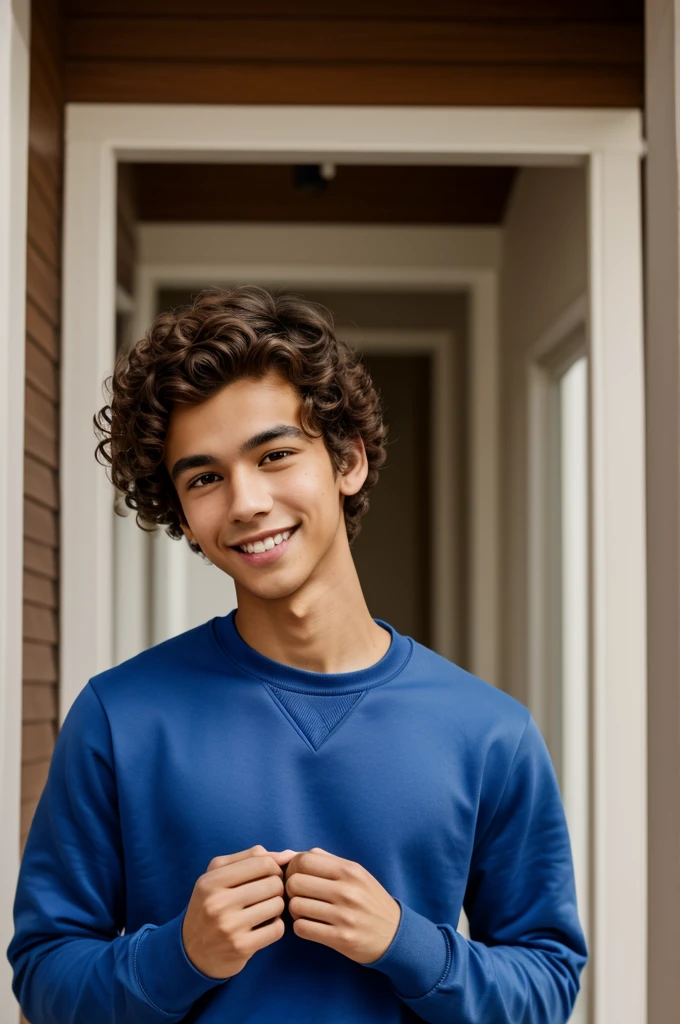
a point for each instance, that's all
(315, 716)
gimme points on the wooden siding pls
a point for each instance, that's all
(382, 52)
(41, 463)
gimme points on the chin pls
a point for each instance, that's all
(274, 591)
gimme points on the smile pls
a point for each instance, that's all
(267, 549)
(266, 543)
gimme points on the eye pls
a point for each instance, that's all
(201, 477)
(284, 451)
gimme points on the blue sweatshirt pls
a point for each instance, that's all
(436, 782)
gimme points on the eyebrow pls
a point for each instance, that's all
(188, 462)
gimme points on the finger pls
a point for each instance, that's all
(313, 910)
(312, 886)
(252, 893)
(315, 931)
(231, 858)
(242, 871)
(323, 865)
(255, 915)
(284, 856)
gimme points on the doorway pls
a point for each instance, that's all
(607, 144)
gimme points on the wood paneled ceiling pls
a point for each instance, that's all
(454, 52)
(357, 194)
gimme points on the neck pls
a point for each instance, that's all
(325, 626)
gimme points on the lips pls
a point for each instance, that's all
(262, 558)
(290, 530)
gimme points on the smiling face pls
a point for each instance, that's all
(244, 471)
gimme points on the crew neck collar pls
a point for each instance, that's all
(289, 677)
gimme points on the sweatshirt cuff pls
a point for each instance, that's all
(418, 956)
(164, 972)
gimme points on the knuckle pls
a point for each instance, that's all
(208, 904)
(348, 919)
(203, 885)
(346, 894)
(305, 860)
(224, 928)
(258, 850)
(212, 906)
(240, 945)
(278, 886)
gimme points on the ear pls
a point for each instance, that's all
(353, 477)
(187, 532)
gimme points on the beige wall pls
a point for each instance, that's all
(544, 270)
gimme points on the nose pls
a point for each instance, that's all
(249, 496)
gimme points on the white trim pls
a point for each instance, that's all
(619, 590)
(484, 474)
(417, 253)
(14, 114)
(543, 352)
(419, 135)
(610, 144)
(550, 356)
(87, 358)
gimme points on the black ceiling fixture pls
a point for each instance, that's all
(312, 178)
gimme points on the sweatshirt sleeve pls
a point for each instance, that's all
(70, 963)
(523, 961)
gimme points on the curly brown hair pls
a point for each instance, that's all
(190, 353)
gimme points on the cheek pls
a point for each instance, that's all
(206, 516)
(306, 488)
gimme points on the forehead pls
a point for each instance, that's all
(231, 416)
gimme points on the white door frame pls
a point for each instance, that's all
(15, 19)
(557, 348)
(609, 143)
(542, 360)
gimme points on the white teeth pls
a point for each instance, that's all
(267, 544)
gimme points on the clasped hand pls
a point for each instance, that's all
(340, 904)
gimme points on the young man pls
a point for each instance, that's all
(278, 815)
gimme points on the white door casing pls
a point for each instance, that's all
(609, 143)
(15, 19)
